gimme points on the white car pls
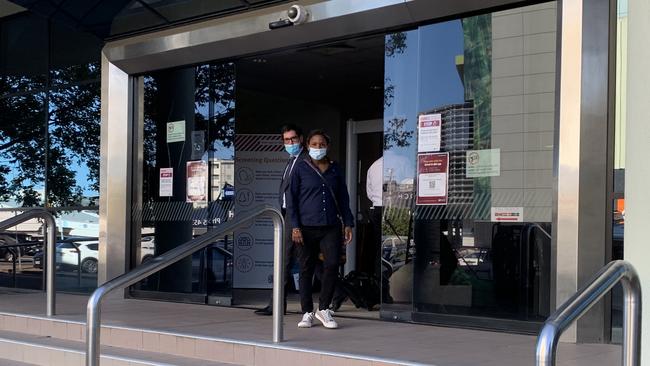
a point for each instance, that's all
(70, 254)
(147, 248)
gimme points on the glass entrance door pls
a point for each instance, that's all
(187, 179)
(468, 165)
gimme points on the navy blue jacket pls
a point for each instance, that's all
(309, 201)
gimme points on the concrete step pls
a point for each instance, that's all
(181, 345)
(46, 351)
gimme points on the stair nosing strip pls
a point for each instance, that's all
(233, 341)
(103, 355)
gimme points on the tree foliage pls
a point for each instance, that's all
(57, 127)
(396, 133)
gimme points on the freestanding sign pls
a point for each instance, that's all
(259, 163)
(433, 171)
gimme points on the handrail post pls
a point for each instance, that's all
(50, 269)
(93, 328)
(49, 238)
(631, 319)
(93, 308)
(278, 277)
(613, 273)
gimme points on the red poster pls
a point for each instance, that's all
(432, 178)
(197, 181)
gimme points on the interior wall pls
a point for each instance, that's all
(259, 112)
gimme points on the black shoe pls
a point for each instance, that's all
(268, 310)
(264, 311)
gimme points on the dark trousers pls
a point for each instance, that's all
(289, 256)
(319, 239)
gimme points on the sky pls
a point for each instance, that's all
(424, 77)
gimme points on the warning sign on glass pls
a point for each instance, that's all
(197, 181)
(432, 178)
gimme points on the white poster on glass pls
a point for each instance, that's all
(483, 163)
(166, 182)
(429, 132)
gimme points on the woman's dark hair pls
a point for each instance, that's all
(318, 132)
(291, 127)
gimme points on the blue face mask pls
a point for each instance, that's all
(317, 154)
(293, 149)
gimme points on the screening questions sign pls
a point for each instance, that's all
(260, 160)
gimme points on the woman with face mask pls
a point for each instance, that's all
(318, 206)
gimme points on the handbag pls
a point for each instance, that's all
(339, 214)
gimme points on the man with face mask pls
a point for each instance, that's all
(293, 144)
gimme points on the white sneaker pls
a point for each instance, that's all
(307, 320)
(325, 317)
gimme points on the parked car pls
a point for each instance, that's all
(38, 259)
(8, 253)
(70, 254)
(147, 248)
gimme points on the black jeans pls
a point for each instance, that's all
(319, 239)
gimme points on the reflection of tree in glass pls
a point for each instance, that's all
(389, 92)
(22, 147)
(396, 135)
(214, 105)
(72, 128)
(395, 44)
(215, 87)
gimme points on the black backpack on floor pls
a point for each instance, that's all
(362, 289)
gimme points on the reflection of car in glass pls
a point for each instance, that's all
(38, 259)
(471, 256)
(7, 253)
(147, 248)
(68, 253)
(393, 250)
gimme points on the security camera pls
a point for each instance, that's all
(297, 14)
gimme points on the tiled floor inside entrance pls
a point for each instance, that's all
(409, 343)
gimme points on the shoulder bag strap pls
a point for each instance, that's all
(315, 169)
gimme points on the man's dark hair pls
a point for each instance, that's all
(318, 132)
(291, 127)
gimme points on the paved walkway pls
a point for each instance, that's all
(426, 344)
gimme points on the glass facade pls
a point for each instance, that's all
(49, 147)
(468, 143)
(468, 166)
(188, 137)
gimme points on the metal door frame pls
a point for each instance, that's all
(580, 102)
(354, 128)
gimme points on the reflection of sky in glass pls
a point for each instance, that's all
(218, 150)
(424, 77)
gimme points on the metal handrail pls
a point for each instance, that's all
(93, 317)
(49, 236)
(584, 299)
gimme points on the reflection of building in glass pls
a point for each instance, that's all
(457, 138)
(508, 70)
(223, 173)
(523, 108)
